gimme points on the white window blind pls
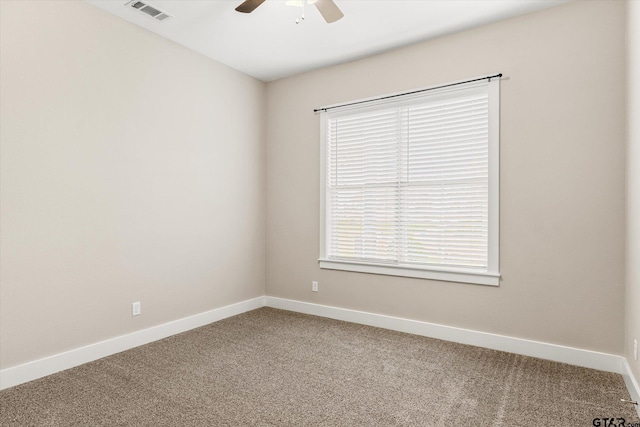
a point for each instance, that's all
(407, 184)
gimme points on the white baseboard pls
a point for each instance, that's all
(10, 377)
(632, 385)
(542, 350)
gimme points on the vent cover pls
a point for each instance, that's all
(148, 10)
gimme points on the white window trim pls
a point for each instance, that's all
(489, 277)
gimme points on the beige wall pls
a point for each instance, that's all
(562, 178)
(127, 161)
(132, 170)
(633, 185)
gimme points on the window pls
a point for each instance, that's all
(409, 184)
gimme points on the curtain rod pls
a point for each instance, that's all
(407, 93)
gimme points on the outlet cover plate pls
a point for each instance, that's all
(135, 308)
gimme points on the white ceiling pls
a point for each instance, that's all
(268, 44)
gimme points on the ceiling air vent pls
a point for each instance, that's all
(148, 10)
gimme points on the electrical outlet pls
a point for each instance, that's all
(635, 349)
(314, 286)
(135, 308)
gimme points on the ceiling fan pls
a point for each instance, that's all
(327, 8)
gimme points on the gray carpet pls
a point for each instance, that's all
(275, 368)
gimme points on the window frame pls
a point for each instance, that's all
(490, 276)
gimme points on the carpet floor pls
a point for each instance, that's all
(271, 367)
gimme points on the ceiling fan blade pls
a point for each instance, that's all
(248, 6)
(329, 10)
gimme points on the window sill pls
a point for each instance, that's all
(448, 275)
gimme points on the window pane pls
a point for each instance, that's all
(407, 183)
